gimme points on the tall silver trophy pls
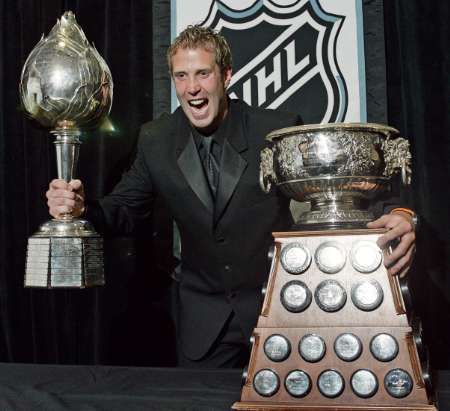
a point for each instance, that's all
(67, 87)
(339, 168)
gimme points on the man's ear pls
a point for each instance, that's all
(227, 76)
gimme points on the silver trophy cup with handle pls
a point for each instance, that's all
(339, 168)
(66, 86)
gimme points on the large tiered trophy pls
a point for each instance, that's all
(336, 330)
(66, 86)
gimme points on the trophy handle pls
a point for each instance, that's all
(67, 150)
(397, 157)
(266, 173)
(406, 173)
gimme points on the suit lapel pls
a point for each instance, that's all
(232, 163)
(191, 166)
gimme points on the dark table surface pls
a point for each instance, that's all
(58, 387)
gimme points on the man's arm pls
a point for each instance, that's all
(120, 211)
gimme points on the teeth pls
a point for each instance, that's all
(197, 103)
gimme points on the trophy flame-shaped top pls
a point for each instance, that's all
(65, 83)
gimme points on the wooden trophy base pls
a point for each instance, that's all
(330, 289)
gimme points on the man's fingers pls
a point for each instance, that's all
(76, 185)
(61, 201)
(58, 184)
(403, 263)
(402, 248)
(379, 222)
(398, 232)
(64, 198)
(60, 193)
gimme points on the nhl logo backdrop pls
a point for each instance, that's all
(302, 56)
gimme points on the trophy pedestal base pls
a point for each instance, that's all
(65, 254)
(333, 333)
(259, 406)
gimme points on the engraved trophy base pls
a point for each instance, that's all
(334, 211)
(334, 332)
(333, 219)
(65, 254)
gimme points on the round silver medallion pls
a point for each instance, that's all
(330, 383)
(348, 347)
(295, 258)
(330, 257)
(312, 347)
(277, 347)
(295, 296)
(364, 383)
(367, 295)
(266, 382)
(398, 383)
(384, 347)
(297, 383)
(366, 256)
(330, 296)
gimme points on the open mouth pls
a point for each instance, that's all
(198, 104)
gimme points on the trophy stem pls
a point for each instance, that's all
(334, 212)
(67, 149)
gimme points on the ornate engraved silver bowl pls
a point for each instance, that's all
(336, 167)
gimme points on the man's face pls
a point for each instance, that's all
(200, 87)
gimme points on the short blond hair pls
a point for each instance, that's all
(197, 36)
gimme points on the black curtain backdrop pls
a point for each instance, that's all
(126, 322)
(418, 67)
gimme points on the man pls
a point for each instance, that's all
(203, 161)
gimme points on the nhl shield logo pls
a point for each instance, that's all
(285, 57)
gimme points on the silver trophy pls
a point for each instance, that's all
(336, 167)
(66, 86)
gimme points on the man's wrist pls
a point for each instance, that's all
(410, 214)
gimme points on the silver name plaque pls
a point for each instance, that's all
(312, 348)
(365, 256)
(330, 296)
(266, 382)
(277, 348)
(384, 347)
(297, 383)
(330, 383)
(367, 295)
(330, 257)
(348, 347)
(398, 383)
(295, 296)
(364, 383)
(295, 258)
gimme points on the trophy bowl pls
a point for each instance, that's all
(339, 168)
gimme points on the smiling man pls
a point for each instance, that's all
(203, 162)
(200, 85)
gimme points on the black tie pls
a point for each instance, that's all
(210, 164)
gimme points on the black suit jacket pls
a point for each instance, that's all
(224, 244)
